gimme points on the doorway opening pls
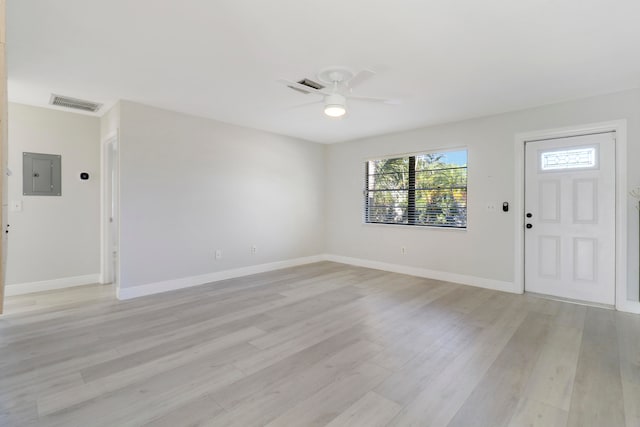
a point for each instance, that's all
(110, 213)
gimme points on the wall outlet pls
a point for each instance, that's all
(254, 249)
(492, 206)
(218, 253)
(403, 250)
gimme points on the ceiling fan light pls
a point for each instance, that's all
(335, 110)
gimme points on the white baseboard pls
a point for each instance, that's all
(629, 307)
(50, 285)
(187, 282)
(481, 282)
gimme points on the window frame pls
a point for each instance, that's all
(412, 189)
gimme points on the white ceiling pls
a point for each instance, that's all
(446, 60)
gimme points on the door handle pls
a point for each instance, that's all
(529, 226)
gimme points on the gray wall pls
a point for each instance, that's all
(54, 237)
(189, 186)
(485, 249)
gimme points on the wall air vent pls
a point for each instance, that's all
(76, 104)
(308, 83)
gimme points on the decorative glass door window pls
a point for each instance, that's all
(574, 158)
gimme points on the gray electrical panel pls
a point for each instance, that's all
(41, 174)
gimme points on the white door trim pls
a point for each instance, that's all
(620, 128)
(106, 257)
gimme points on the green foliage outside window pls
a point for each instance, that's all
(425, 189)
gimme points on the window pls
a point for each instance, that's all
(576, 158)
(427, 189)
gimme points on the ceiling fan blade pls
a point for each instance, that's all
(360, 78)
(306, 104)
(376, 100)
(302, 88)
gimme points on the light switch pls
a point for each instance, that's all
(16, 206)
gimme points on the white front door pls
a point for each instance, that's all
(570, 217)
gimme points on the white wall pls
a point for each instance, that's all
(54, 237)
(110, 121)
(486, 249)
(191, 185)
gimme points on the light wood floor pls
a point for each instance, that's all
(323, 344)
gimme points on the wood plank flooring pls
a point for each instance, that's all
(322, 344)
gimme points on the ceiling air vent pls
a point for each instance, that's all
(308, 83)
(76, 104)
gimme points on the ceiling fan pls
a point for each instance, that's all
(335, 88)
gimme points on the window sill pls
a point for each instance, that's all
(414, 227)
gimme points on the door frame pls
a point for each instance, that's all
(4, 147)
(620, 128)
(106, 258)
